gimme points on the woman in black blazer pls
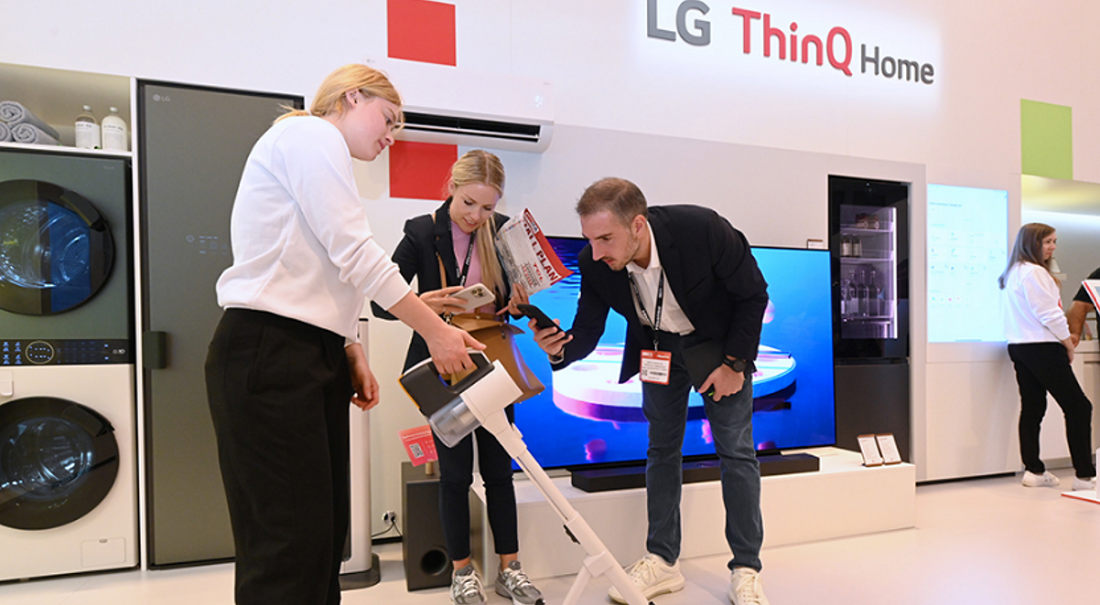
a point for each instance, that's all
(459, 237)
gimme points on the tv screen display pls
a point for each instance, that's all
(586, 418)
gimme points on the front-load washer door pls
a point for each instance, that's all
(58, 461)
(56, 249)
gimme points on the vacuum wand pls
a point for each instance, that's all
(479, 399)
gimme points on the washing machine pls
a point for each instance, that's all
(68, 488)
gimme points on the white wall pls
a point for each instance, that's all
(738, 112)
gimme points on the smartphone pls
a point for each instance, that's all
(475, 296)
(541, 320)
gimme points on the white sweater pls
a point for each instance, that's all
(1032, 306)
(302, 246)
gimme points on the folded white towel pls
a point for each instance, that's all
(14, 113)
(32, 135)
(5, 133)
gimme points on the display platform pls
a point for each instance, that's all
(842, 499)
(1085, 495)
(627, 477)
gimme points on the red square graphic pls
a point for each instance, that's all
(419, 171)
(420, 30)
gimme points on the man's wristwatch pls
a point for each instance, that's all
(737, 365)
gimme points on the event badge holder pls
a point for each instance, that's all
(655, 366)
(878, 450)
(479, 399)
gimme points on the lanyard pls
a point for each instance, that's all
(466, 265)
(656, 321)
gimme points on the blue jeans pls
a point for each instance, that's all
(665, 408)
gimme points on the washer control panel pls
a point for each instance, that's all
(64, 352)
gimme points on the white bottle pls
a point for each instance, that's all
(87, 130)
(115, 136)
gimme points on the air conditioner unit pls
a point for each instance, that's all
(445, 104)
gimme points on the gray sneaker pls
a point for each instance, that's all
(513, 584)
(466, 587)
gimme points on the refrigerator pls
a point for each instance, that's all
(193, 143)
(869, 244)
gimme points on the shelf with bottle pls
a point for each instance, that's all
(866, 246)
(853, 229)
(866, 318)
(866, 218)
(66, 149)
(56, 97)
(866, 260)
(864, 296)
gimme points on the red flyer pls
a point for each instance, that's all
(419, 444)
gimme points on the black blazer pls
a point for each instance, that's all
(416, 257)
(708, 266)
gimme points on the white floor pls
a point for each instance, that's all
(977, 542)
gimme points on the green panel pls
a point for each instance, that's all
(1046, 139)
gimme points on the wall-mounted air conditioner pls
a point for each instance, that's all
(445, 104)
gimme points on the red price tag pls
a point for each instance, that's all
(419, 444)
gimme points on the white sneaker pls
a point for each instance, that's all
(513, 583)
(652, 576)
(746, 588)
(466, 587)
(1084, 485)
(1044, 480)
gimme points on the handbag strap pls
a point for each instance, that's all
(442, 271)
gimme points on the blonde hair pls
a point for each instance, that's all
(330, 95)
(480, 166)
(1028, 249)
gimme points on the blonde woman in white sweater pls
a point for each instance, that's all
(1041, 350)
(285, 361)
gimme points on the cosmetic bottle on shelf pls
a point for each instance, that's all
(87, 130)
(115, 134)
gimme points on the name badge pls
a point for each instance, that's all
(656, 366)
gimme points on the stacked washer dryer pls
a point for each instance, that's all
(68, 491)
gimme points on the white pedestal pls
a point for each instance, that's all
(842, 499)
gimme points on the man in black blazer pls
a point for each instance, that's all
(1081, 306)
(687, 272)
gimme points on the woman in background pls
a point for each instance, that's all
(458, 241)
(1041, 350)
(285, 360)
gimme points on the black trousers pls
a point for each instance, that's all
(279, 392)
(1043, 367)
(456, 468)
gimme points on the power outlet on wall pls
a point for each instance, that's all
(389, 517)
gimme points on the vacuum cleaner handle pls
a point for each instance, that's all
(430, 392)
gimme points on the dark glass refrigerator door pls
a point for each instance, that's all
(193, 145)
(869, 242)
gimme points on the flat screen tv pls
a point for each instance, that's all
(585, 418)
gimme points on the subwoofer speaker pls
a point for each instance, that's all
(427, 564)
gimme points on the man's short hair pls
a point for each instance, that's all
(617, 196)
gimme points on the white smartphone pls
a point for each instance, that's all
(475, 296)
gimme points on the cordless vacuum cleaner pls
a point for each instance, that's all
(479, 399)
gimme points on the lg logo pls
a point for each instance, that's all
(835, 46)
(700, 36)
